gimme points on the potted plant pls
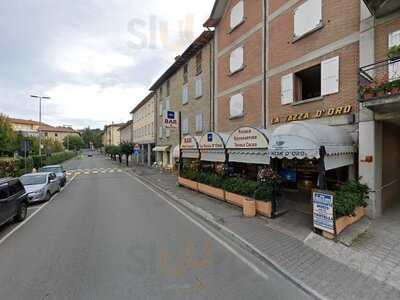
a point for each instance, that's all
(263, 196)
(238, 189)
(394, 52)
(367, 91)
(211, 185)
(188, 178)
(350, 202)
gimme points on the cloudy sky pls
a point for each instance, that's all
(96, 59)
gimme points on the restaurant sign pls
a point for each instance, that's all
(189, 142)
(321, 113)
(211, 140)
(323, 213)
(247, 138)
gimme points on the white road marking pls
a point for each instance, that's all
(2, 240)
(206, 230)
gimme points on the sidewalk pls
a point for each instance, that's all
(309, 267)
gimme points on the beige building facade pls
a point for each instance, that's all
(112, 134)
(143, 124)
(126, 132)
(185, 87)
(57, 133)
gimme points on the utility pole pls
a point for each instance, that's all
(40, 121)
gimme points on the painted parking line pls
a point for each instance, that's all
(35, 211)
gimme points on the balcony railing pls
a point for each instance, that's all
(379, 80)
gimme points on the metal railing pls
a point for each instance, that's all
(379, 80)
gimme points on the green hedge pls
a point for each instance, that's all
(351, 195)
(16, 167)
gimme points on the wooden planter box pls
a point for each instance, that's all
(264, 208)
(234, 199)
(188, 183)
(249, 208)
(343, 222)
(212, 191)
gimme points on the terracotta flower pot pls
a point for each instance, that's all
(234, 199)
(188, 183)
(212, 191)
(249, 208)
(264, 208)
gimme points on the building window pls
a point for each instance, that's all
(167, 132)
(307, 17)
(161, 109)
(313, 82)
(185, 73)
(199, 86)
(167, 88)
(56, 134)
(185, 126)
(167, 104)
(394, 67)
(237, 15)
(236, 60)
(185, 94)
(199, 63)
(199, 122)
(236, 106)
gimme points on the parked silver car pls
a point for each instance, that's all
(59, 170)
(40, 186)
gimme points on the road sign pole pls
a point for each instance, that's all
(180, 142)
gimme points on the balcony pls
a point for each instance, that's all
(379, 88)
(381, 8)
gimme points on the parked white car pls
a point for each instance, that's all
(40, 186)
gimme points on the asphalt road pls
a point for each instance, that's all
(107, 236)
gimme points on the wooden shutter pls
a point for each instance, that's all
(287, 89)
(330, 76)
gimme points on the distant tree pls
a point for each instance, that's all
(8, 138)
(74, 142)
(92, 136)
(52, 146)
(126, 149)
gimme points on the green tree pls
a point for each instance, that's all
(92, 136)
(127, 149)
(74, 142)
(8, 138)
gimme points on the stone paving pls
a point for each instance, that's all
(329, 276)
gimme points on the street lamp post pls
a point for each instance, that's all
(40, 120)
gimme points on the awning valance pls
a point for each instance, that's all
(190, 147)
(248, 145)
(212, 146)
(161, 148)
(304, 139)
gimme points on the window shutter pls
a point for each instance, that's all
(185, 94)
(185, 126)
(237, 14)
(330, 76)
(199, 87)
(167, 104)
(160, 132)
(161, 109)
(287, 89)
(307, 17)
(236, 105)
(167, 132)
(394, 68)
(236, 59)
(199, 122)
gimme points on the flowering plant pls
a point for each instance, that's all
(268, 176)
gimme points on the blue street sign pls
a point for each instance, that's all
(210, 137)
(171, 115)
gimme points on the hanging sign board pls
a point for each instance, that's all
(170, 119)
(247, 138)
(323, 212)
(211, 140)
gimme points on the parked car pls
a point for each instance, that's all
(13, 200)
(59, 170)
(40, 186)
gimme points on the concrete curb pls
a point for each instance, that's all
(209, 218)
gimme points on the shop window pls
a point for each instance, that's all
(199, 122)
(394, 68)
(237, 15)
(185, 126)
(185, 74)
(307, 17)
(199, 63)
(199, 86)
(236, 60)
(313, 82)
(185, 94)
(236, 106)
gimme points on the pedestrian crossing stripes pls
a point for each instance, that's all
(93, 171)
